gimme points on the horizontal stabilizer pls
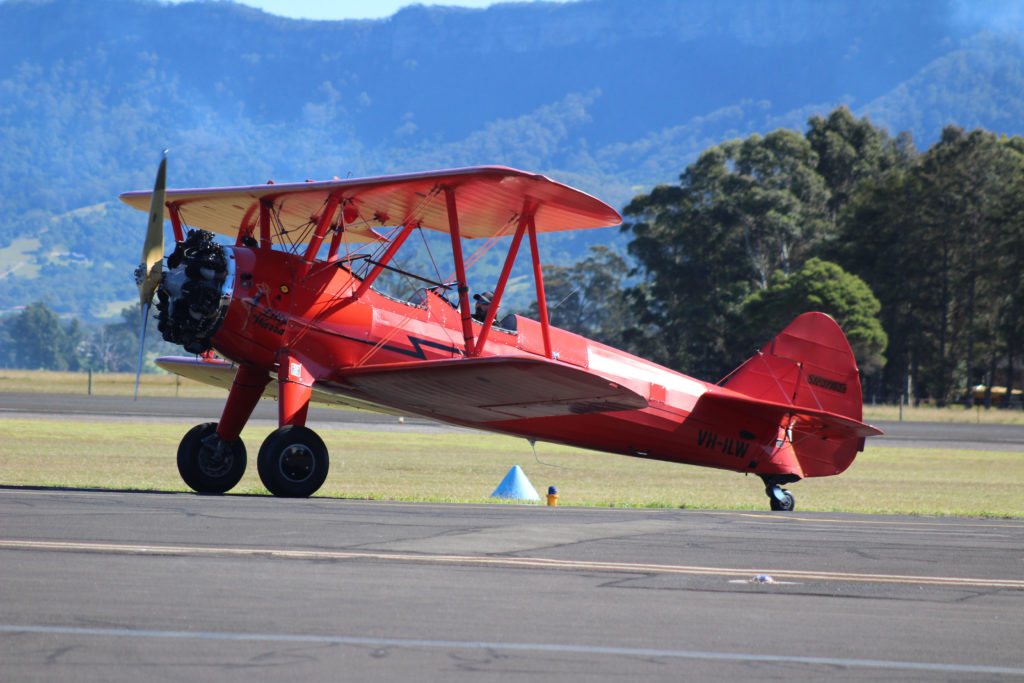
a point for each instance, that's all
(819, 423)
(491, 389)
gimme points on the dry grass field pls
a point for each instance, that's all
(461, 467)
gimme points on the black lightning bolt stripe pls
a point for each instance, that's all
(416, 351)
(418, 345)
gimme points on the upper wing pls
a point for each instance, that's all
(487, 390)
(487, 197)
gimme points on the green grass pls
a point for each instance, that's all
(467, 467)
(105, 384)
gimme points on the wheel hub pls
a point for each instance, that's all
(215, 459)
(297, 462)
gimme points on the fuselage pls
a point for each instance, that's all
(267, 309)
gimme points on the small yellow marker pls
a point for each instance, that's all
(552, 495)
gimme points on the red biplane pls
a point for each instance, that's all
(305, 325)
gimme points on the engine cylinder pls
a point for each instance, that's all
(195, 291)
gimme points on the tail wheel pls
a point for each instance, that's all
(293, 462)
(781, 499)
(207, 464)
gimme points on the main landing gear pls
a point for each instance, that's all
(206, 463)
(293, 460)
(779, 498)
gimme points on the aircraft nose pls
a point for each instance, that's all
(195, 291)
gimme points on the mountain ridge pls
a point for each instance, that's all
(608, 95)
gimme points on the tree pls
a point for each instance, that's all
(818, 286)
(693, 272)
(851, 151)
(114, 347)
(39, 342)
(933, 241)
(743, 211)
(1009, 292)
(6, 342)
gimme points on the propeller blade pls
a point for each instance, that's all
(142, 347)
(147, 275)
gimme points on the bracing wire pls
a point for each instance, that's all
(533, 445)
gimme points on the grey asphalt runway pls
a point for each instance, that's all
(126, 586)
(112, 586)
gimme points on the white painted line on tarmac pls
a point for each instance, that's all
(516, 562)
(844, 662)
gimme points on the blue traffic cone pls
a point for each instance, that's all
(516, 485)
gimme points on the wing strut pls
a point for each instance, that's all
(526, 223)
(265, 242)
(460, 270)
(384, 260)
(538, 279)
(318, 235)
(525, 218)
(339, 232)
(179, 234)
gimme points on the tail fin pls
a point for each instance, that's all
(808, 365)
(810, 368)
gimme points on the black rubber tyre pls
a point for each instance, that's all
(205, 469)
(293, 462)
(785, 505)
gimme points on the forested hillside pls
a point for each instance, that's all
(610, 95)
(614, 96)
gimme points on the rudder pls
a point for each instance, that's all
(809, 366)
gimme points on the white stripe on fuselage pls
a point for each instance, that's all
(611, 363)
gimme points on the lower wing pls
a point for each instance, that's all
(487, 390)
(469, 390)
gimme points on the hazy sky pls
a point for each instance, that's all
(349, 9)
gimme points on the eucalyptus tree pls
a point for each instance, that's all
(38, 341)
(742, 211)
(818, 286)
(852, 150)
(933, 243)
